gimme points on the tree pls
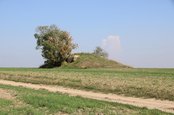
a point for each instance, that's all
(100, 52)
(56, 45)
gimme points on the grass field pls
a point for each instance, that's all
(147, 83)
(23, 101)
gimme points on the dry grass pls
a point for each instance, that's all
(153, 83)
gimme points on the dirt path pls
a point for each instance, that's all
(167, 106)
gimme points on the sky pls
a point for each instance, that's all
(139, 33)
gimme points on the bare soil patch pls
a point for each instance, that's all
(5, 94)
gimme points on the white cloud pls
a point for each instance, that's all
(112, 45)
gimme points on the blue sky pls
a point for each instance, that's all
(139, 33)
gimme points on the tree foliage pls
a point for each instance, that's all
(100, 52)
(56, 45)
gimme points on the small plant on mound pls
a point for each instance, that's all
(100, 52)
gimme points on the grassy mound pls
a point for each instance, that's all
(87, 60)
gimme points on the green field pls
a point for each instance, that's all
(23, 101)
(147, 83)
